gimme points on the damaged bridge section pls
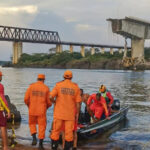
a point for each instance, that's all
(138, 30)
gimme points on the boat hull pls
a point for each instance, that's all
(98, 128)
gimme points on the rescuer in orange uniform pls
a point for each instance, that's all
(3, 118)
(97, 106)
(68, 100)
(107, 95)
(37, 100)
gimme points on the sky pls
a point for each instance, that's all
(75, 20)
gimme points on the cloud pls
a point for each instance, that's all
(86, 27)
(20, 16)
(75, 20)
(69, 20)
(20, 9)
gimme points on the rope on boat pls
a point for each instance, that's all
(13, 136)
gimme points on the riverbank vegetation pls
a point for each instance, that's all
(66, 59)
(75, 60)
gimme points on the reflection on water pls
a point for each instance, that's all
(132, 88)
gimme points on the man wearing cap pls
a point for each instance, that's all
(3, 119)
(66, 111)
(107, 95)
(37, 100)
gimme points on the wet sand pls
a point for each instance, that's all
(20, 146)
(28, 147)
(89, 147)
(23, 147)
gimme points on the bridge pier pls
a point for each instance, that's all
(102, 51)
(92, 50)
(71, 48)
(82, 51)
(137, 49)
(17, 51)
(58, 48)
(120, 51)
(111, 51)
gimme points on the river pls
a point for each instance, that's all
(132, 88)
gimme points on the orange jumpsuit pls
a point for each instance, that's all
(37, 100)
(98, 107)
(67, 95)
(108, 97)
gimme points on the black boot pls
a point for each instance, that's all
(68, 145)
(54, 145)
(34, 141)
(41, 145)
(74, 148)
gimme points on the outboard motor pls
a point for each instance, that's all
(116, 105)
(84, 117)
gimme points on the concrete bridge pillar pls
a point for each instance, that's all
(71, 48)
(102, 51)
(59, 48)
(82, 51)
(137, 49)
(17, 51)
(120, 51)
(92, 50)
(125, 50)
(111, 51)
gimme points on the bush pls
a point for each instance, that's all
(64, 58)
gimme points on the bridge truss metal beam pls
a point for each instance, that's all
(28, 35)
(17, 34)
(92, 45)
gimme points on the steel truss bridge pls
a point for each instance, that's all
(28, 35)
(17, 34)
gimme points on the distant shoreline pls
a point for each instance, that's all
(105, 65)
(74, 60)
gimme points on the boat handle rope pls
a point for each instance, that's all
(13, 136)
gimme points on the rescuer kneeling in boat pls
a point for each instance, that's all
(67, 101)
(97, 106)
(108, 97)
(37, 100)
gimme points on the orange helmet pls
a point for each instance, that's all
(1, 73)
(102, 88)
(41, 76)
(68, 74)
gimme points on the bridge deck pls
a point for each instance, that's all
(16, 34)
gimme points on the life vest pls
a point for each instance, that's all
(105, 96)
(3, 106)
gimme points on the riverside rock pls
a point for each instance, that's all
(13, 110)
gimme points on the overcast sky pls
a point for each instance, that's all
(75, 20)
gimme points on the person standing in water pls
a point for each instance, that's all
(37, 100)
(66, 111)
